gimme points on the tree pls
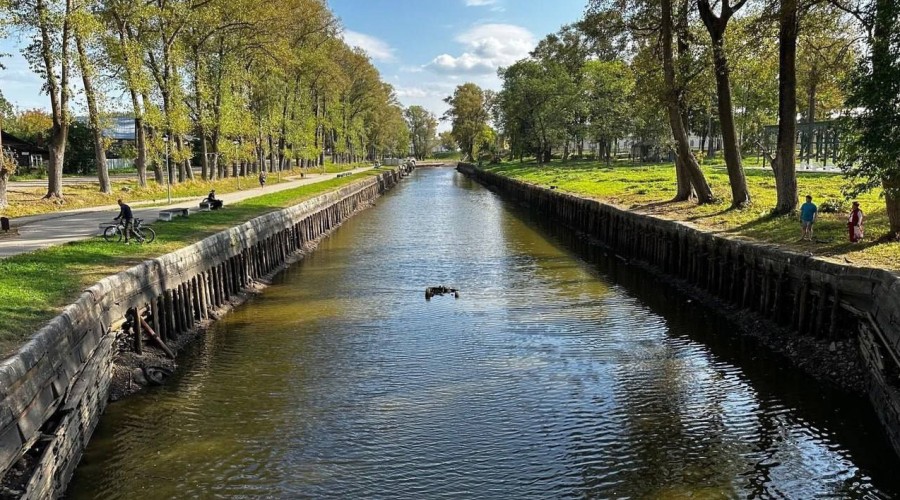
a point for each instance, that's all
(422, 129)
(448, 143)
(32, 125)
(608, 87)
(468, 117)
(784, 163)
(716, 26)
(86, 25)
(826, 55)
(872, 148)
(688, 163)
(49, 23)
(536, 101)
(7, 168)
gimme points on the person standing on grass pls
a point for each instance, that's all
(127, 218)
(808, 214)
(262, 178)
(855, 223)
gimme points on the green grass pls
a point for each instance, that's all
(29, 201)
(649, 188)
(35, 286)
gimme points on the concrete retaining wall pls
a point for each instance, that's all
(808, 295)
(53, 391)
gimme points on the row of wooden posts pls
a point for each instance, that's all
(807, 302)
(180, 308)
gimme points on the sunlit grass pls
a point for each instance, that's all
(25, 201)
(649, 188)
(35, 286)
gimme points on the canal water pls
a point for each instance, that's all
(558, 372)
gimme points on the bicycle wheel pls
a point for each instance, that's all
(112, 234)
(148, 234)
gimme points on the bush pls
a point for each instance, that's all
(832, 206)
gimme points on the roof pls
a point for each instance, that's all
(14, 143)
(117, 127)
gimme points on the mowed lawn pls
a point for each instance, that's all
(30, 200)
(34, 287)
(649, 188)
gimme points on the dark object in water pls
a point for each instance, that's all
(156, 375)
(440, 290)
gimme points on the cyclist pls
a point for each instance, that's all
(214, 203)
(127, 218)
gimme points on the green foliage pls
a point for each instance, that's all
(833, 206)
(872, 133)
(537, 101)
(468, 115)
(35, 285)
(422, 130)
(32, 125)
(79, 150)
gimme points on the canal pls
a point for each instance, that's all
(559, 372)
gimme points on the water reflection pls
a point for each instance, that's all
(558, 372)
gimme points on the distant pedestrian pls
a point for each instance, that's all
(855, 223)
(808, 214)
(262, 178)
(127, 218)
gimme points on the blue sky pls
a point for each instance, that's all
(425, 48)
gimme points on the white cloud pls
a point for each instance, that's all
(493, 4)
(486, 48)
(376, 48)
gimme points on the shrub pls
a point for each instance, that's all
(832, 206)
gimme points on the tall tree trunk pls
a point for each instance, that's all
(884, 61)
(141, 161)
(87, 73)
(186, 147)
(811, 111)
(716, 26)
(784, 164)
(59, 93)
(204, 160)
(5, 170)
(4, 181)
(140, 134)
(688, 162)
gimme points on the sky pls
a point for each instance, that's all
(424, 48)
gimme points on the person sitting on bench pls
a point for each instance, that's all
(214, 203)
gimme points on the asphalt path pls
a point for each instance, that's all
(45, 230)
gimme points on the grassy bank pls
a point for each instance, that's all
(34, 287)
(649, 188)
(25, 201)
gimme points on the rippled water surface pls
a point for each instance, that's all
(557, 373)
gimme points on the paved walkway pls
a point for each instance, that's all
(41, 231)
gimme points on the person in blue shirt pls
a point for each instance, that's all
(808, 214)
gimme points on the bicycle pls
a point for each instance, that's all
(141, 233)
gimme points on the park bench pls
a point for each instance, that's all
(344, 174)
(168, 214)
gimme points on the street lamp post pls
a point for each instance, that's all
(168, 170)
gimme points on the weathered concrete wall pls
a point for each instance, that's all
(808, 295)
(53, 391)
